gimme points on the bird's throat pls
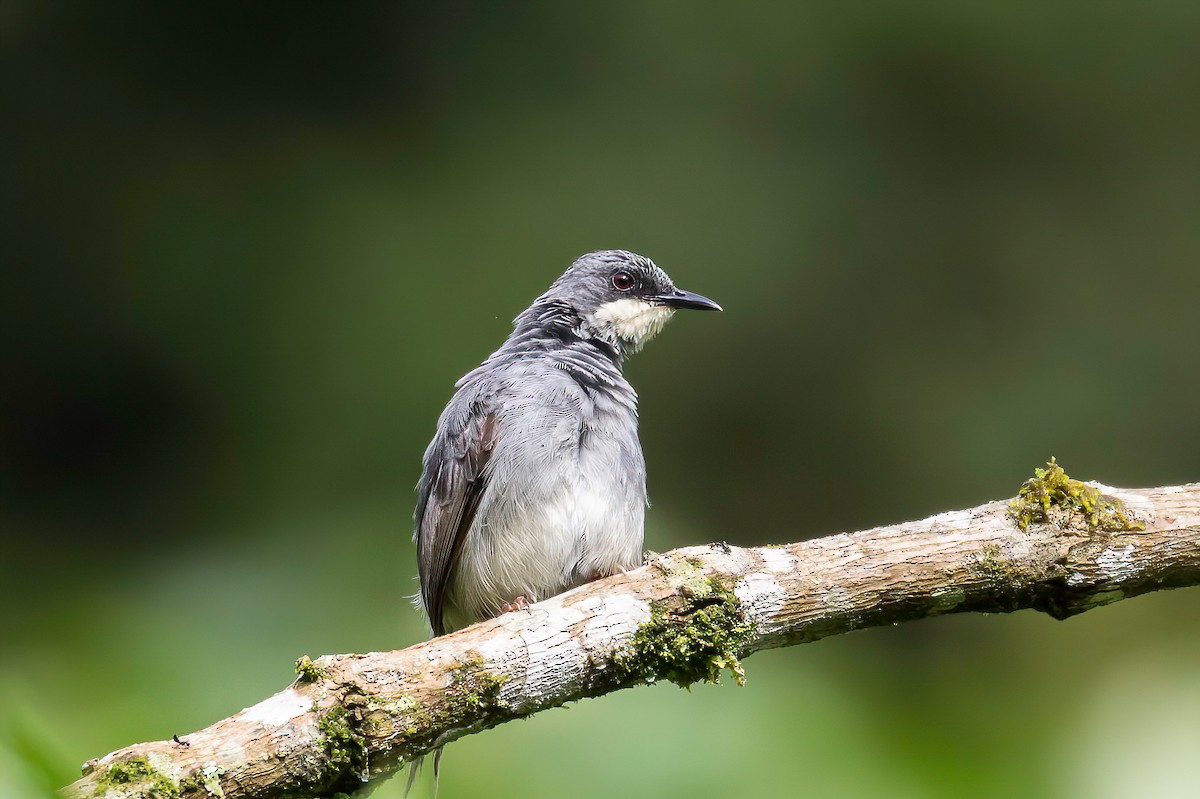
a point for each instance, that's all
(630, 322)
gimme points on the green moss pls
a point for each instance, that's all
(309, 671)
(690, 644)
(472, 687)
(1052, 488)
(471, 696)
(344, 747)
(150, 782)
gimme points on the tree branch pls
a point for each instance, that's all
(685, 616)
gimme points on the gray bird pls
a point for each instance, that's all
(535, 482)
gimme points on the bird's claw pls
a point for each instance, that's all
(520, 603)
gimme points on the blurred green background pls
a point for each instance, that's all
(249, 248)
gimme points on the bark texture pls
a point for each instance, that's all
(687, 615)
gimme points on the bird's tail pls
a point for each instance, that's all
(414, 768)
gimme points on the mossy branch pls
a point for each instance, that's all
(1061, 547)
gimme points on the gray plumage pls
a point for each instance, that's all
(534, 481)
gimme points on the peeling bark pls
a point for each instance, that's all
(686, 616)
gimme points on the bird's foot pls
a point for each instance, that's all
(520, 603)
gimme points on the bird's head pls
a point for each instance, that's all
(622, 298)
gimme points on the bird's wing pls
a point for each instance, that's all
(448, 495)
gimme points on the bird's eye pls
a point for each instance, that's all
(622, 280)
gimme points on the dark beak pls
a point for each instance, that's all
(687, 299)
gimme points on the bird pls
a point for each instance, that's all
(535, 481)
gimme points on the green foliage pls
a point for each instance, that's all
(34, 758)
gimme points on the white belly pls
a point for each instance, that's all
(581, 528)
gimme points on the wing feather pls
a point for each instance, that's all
(448, 496)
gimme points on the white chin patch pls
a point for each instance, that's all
(632, 321)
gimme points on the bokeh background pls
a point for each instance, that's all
(248, 249)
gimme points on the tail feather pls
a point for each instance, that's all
(414, 768)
